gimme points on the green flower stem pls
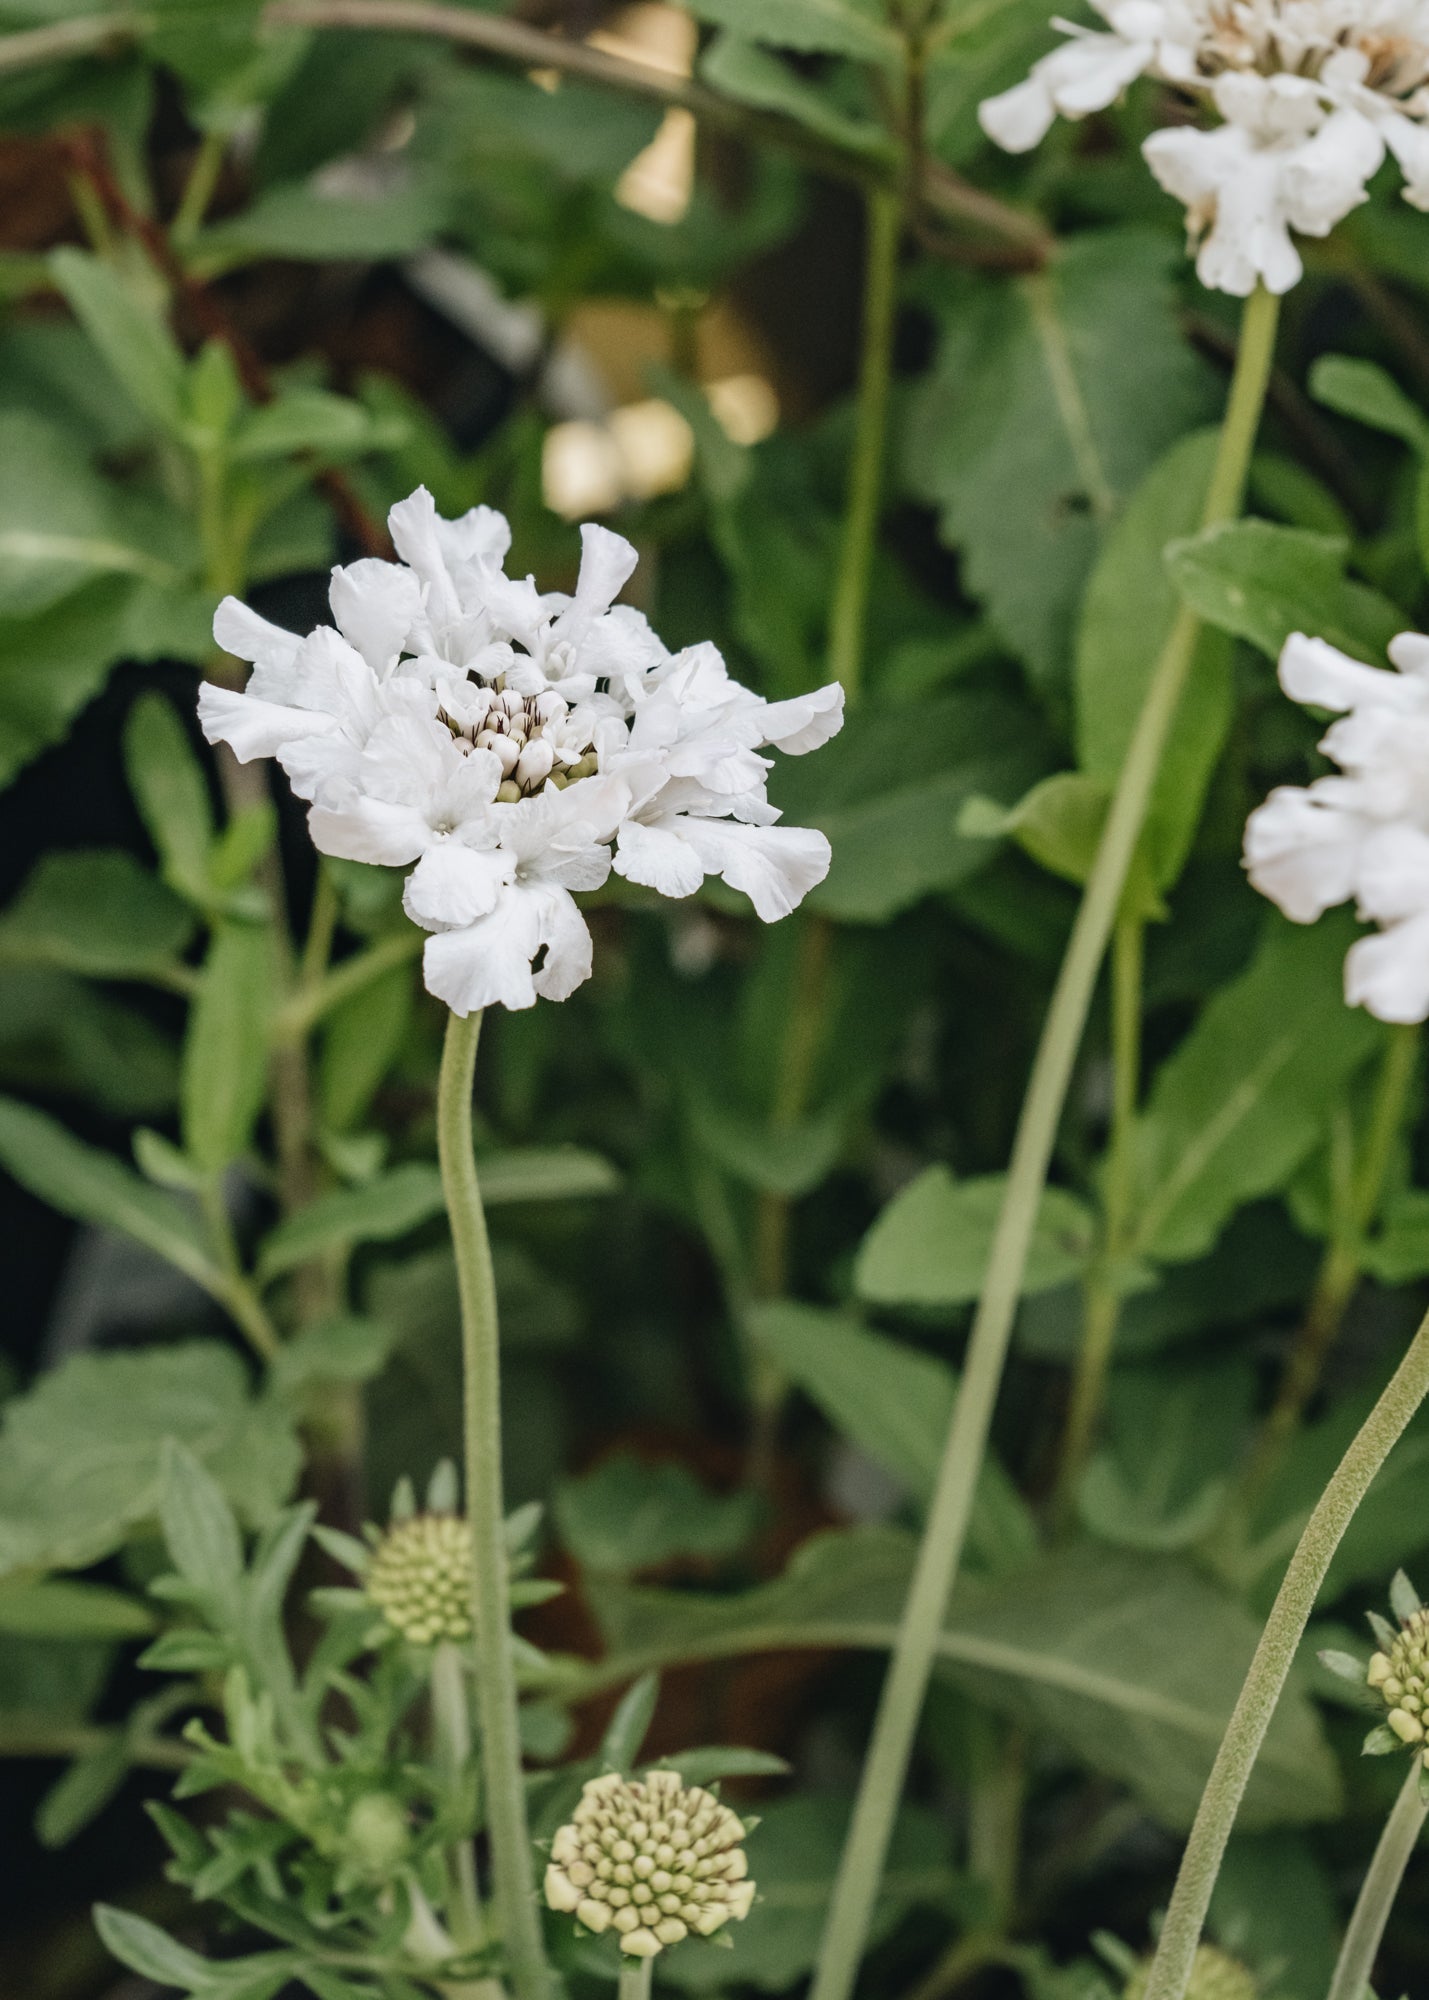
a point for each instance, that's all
(1274, 1657)
(861, 1868)
(635, 1978)
(847, 618)
(1379, 1889)
(1102, 1303)
(513, 1875)
(305, 1008)
(451, 1737)
(199, 187)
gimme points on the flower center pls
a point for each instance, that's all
(536, 738)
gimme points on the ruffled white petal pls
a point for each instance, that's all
(375, 606)
(253, 728)
(1303, 854)
(1388, 972)
(775, 866)
(453, 885)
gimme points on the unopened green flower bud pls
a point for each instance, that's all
(420, 1577)
(651, 1859)
(376, 1836)
(1400, 1677)
(1215, 1975)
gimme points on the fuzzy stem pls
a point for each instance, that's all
(1274, 1657)
(880, 298)
(513, 1875)
(451, 1737)
(1103, 1293)
(635, 1978)
(1379, 1889)
(861, 1868)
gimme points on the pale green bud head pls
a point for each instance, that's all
(653, 1859)
(1399, 1675)
(376, 1836)
(420, 1577)
(1215, 1975)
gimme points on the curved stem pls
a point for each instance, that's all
(861, 1868)
(880, 297)
(1274, 1657)
(1102, 1310)
(1379, 1889)
(513, 1875)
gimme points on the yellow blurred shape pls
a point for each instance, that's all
(660, 37)
(745, 407)
(656, 447)
(581, 470)
(658, 183)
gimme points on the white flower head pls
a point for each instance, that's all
(1302, 99)
(510, 747)
(1361, 834)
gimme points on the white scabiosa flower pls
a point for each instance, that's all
(1360, 835)
(651, 1859)
(510, 746)
(1302, 98)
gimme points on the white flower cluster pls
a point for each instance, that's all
(1361, 833)
(516, 746)
(1308, 95)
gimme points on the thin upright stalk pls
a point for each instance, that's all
(1274, 1657)
(1379, 1889)
(635, 1978)
(861, 1868)
(1343, 1264)
(513, 1876)
(451, 1739)
(1102, 1307)
(884, 209)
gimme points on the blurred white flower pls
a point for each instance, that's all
(1361, 834)
(1305, 96)
(510, 746)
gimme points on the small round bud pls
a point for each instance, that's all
(376, 1837)
(420, 1578)
(628, 1833)
(1398, 1678)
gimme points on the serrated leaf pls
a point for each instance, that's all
(930, 1246)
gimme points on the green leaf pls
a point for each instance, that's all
(1059, 823)
(308, 420)
(1400, 1251)
(80, 1454)
(751, 75)
(1133, 1665)
(82, 1793)
(301, 222)
(128, 332)
(199, 1528)
(1275, 1904)
(335, 1350)
(1361, 390)
(857, 28)
(544, 1173)
(889, 793)
(1249, 1092)
(630, 1724)
(896, 1404)
(1174, 1437)
(930, 1246)
(378, 1211)
(1263, 582)
(793, 1855)
(150, 1952)
(629, 1515)
(49, 1608)
(1127, 614)
(171, 792)
(1089, 355)
(97, 912)
(62, 1036)
(225, 1064)
(360, 1041)
(711, 1763)
(94, 1187)
(58, 525)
